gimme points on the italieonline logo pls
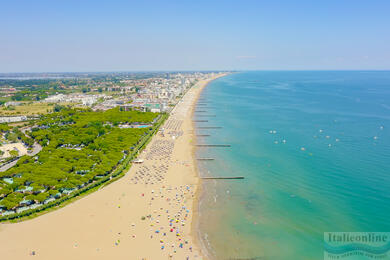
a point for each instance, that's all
(356, 245)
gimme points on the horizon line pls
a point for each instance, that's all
(172, 71)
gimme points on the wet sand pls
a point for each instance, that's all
(147, 214)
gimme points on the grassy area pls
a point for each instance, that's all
(29, 108)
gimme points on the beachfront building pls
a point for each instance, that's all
(144, 107)
(13, 103)
(84, 99)
(12, 119)
(55, 98)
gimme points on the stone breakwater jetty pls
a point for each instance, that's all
(213, 145)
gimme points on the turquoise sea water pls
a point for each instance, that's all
(314, 148)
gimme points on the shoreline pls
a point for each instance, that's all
(150, 213)
(196, 212)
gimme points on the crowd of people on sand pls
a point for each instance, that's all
(173, 128)
(166, 222)
(175, 134)
(173, 124)
(160, 150)
(152, 175)
(167, 216)
(169, 211)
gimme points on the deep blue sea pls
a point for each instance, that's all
(314, 148)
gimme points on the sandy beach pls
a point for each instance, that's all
(147, 214)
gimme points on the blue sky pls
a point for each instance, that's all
(59, 35)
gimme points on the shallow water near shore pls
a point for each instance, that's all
(314, 148)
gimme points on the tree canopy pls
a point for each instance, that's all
(78, 146)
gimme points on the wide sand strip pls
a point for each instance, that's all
(147, 214)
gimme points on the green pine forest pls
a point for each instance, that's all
(79, 147)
